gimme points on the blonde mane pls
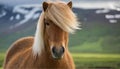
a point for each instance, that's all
(62, 16)
(38, 44)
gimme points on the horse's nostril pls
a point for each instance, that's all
(54, 50)
(62, 49)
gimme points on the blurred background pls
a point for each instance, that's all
(96, 46)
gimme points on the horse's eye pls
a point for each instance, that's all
(47, 24)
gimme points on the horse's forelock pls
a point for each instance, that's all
(62, 16)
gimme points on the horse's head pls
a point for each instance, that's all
(58, 21)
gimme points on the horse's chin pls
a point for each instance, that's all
(57, 57)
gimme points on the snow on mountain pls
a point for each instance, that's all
(113, 21)
(11, 18)
(18, 16)
(29, 12)
(112, 5)
(102, 11)
(116, 16)
(3, 13)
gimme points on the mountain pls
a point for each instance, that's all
(12, 18)
(20, 21)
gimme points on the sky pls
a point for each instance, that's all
(18, 2)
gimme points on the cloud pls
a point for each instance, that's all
(18, 2)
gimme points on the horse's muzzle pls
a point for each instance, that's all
(57, 53)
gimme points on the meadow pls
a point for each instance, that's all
(89, 61)
(97, 61)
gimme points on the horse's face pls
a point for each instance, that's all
(56, 39)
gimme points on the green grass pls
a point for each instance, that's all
(89, 61)
(108, 44)
(2, 56)
(88, 47)
(97, 61)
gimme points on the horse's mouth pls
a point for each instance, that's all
(58, 58)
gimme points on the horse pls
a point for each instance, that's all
(49, 48)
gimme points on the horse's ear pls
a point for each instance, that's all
(45, 6)
(70, 4)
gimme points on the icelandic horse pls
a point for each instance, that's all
(49, 48)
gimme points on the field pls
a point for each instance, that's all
(2, 55)
(90, 61)
(97, 61)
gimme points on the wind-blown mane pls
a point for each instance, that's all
(62, 16)
(38, 44)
